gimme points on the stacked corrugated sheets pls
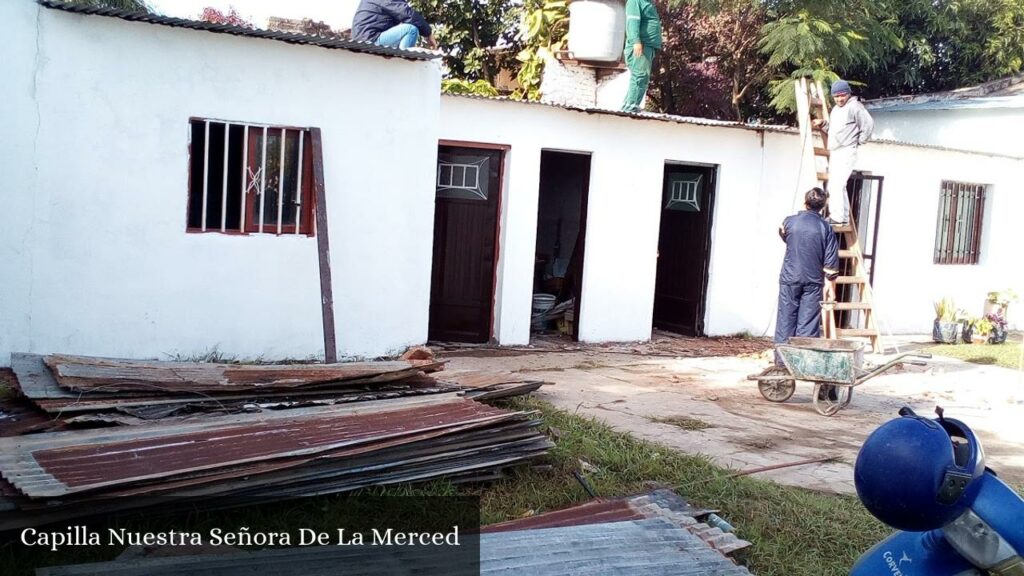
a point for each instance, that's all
(313, 429)
(656, 534)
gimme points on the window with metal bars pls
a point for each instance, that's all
(250, 179)
(961, 215)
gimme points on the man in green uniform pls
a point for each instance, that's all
(643, 40)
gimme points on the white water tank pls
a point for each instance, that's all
(597, 29)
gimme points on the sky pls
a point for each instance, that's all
(336, 13)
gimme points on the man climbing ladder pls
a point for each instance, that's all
(848, 127)
(847, 130)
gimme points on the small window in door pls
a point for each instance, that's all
(683, 192)
(463, 175)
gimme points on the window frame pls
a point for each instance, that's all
(959, 223)
(247, 196)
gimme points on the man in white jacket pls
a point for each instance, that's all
(849, 126)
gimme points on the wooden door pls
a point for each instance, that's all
(684, 248)
(468, 188)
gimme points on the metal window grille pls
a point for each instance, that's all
(250, 178)
(959, 224)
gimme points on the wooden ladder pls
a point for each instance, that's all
(853, 286)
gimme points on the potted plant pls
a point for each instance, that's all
(967, 328)
(980, 330)
(997, 334)
(998, 301)
(946, 329)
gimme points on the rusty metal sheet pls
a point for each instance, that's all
(58, 471)
(18, 416)
(662, 503)
(84, 374)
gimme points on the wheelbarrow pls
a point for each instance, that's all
(835, 367)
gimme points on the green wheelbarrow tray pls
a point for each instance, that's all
(834, 366)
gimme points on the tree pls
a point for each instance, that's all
(948, 44)
(128, 5)
(710, 65)
(232, 18)
(468, 30)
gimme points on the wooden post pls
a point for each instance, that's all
(323, 248)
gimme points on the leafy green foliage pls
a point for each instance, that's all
(473, 87)
(544, 29)
(469, 30)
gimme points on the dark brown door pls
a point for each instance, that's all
(465, 230)
(684, 245)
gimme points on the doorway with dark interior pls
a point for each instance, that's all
(561, 232)
(468, 197)
(684, 248)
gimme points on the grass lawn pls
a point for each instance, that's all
(1006, 355)
(794, 532)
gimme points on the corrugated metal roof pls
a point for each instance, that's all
(291, 38)
(638, 115)
(711, 123)
(1002, 93)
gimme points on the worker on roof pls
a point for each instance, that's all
(391, 23)
(809, 269)
(643, 40)
(849, 126)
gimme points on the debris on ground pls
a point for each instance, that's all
(656, 533)
(65, 386)
(661, 344)
(659, 505)
(228, 434)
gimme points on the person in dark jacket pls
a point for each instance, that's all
(643, 40)
(391, 23)
(811, 265)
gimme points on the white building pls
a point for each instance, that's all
(114, 126)
(985, 118)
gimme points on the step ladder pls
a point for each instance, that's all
(853, 286)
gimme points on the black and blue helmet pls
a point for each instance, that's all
(918, 474)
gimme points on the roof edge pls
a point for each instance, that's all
(291, 38)
(709, 123)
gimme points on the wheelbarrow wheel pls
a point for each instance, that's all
(776, 389)
(831, 398)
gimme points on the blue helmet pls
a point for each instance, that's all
(917, 474)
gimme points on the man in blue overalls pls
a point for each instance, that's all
(809, 269)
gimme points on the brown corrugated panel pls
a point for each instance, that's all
(18, 416)
(42, 471)
(115, 375)
(657, 504)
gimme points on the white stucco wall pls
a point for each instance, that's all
(628, 159)
(757, 188)
(96, 257)
(993, 130)
(907, 281)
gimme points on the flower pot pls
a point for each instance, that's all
(967, 333)
(946, 332)
(998, 336)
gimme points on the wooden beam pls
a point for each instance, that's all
(323, 248)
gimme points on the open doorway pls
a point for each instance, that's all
(468, 195)
(561, 230)
(684, 248)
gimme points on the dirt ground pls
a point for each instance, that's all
(692, 395)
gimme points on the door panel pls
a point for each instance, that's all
(465, 231)
(683, 249)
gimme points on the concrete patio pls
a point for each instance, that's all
(635, 393)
